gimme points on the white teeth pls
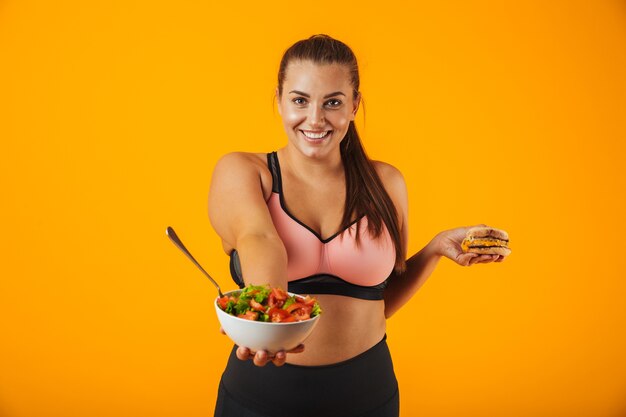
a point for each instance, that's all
(315, 135)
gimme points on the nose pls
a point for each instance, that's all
(316, 117)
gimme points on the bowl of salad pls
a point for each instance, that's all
(263, 318)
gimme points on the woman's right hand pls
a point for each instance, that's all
(261, 357)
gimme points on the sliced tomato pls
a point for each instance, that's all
(299, 316)
(271, 300)
(257, 306)
(302, 313)
(223, 302)
(278, 315)
(249, 315)
(277, 297)
(280, 294)
(310, 301)
(293, 307)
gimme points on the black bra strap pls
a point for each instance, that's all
(235, 269)
(272, 164)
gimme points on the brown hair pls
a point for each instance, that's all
(365, 193)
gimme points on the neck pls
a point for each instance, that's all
(306, 167)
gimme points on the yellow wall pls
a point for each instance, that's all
(113, 114)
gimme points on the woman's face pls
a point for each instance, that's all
(317, 106)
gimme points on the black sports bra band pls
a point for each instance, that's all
(317, 284)
(272, 165)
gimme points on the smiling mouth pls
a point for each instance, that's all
(316, 135)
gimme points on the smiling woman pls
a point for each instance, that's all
(319, 217)
(317, 120)
(321, 76)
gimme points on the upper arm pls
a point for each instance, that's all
(237, 206)
(395, 185)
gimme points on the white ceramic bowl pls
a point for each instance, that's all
(259, 335)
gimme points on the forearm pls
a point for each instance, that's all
(263, 260)
(418, 268)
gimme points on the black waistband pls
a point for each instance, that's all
(327, 390)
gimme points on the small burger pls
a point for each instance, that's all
(486, 240)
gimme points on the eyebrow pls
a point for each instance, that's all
(336, 93)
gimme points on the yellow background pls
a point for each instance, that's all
(113, 114)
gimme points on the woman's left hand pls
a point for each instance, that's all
(448, 244)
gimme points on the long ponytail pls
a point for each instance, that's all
(366, 195)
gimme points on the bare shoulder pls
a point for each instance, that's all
(392, 177)
(240, 188)
(242, 160)
(245, 164)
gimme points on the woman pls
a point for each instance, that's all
(318, 217)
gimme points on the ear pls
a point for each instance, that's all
(355, 106)
(278, 102)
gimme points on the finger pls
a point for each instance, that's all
(473, 259)
(261, 358)
(465, 259)
(279, 358)
(297, 349)
(243, 353)
(480, 259)
(495, 258)
(485, 259)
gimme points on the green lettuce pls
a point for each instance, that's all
(289, 301)
(262, 294)
(316, 310)
(242, 305)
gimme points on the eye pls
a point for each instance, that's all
(299, 101)
(333, 103)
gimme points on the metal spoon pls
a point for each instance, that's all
(174, 238)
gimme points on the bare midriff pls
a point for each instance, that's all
(347, 327)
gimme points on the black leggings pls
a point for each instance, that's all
(363, 386)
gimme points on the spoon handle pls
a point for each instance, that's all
(174, 238)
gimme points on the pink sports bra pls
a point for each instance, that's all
(334, 265)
